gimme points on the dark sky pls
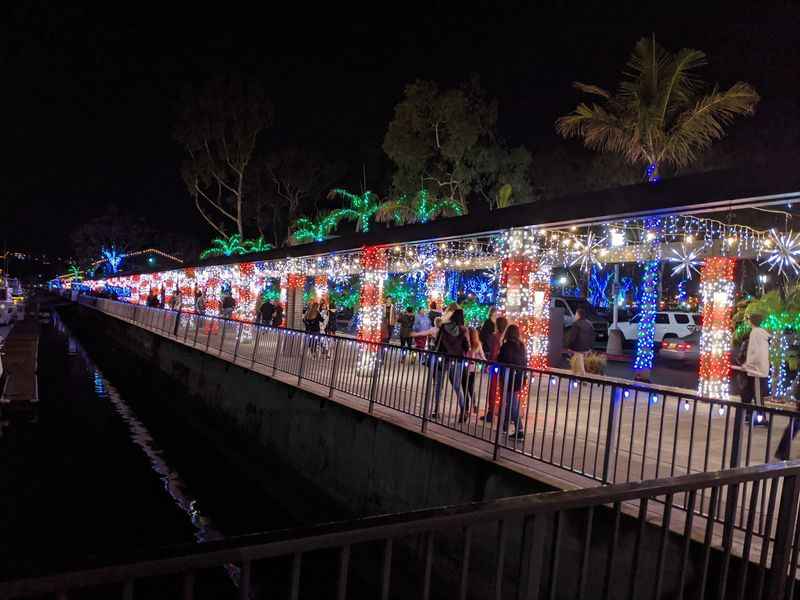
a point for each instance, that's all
(90, 95)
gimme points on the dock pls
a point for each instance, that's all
(20, 387)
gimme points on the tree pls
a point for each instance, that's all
(113, 229)
(285, 183)
(444, 141)
(317, 230)
(422, 207)
(218, 129)
(362, 207)
(660, 115)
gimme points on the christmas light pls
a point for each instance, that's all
(687, 261)
(717, 294)
(784, 256)
(646, 329)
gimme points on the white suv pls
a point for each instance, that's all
(668, 325)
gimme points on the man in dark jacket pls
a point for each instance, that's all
(265, 312)
(580, 339)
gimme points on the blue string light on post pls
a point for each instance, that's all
(647, 320)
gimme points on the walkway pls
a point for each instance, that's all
(578, 432)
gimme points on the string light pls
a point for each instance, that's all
(646, 329)
(717, 293)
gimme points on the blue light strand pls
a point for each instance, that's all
(647, 322)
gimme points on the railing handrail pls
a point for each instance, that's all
(601, 379)
(179, 559)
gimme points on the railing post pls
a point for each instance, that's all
(501, 415)
(738, 422)
(177, 323)
(530, 567)
(784, 535)
(303, 347)
(281, 334)
(238, 338)
(374, 383)
(611, 430)
(255, 345)
(426, 400)
(163, 319)
(198, 319)
(133, 317)
(334, 366)
(222, 337)
(210, 329)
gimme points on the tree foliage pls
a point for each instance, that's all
(445, 141)
(315, 230)
(662, 113)
(218, 128)
(112, 229)
(422, 207)
(360, 208)
(286, 183)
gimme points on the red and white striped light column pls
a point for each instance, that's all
(716, 338)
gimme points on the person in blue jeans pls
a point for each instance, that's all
(452, 341)
(512, 354)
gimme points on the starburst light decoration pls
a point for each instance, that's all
(586, 252)
(686, 262)
(785, 253)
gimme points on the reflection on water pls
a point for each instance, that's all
(171, 482)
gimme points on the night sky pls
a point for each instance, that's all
(90, 95)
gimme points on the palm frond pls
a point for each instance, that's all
(588, 88)
(600, 129)
(679, 83)
(699, 126)
(645, 66)
(399, 211)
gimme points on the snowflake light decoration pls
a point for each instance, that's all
(785, 253)
(686, 261)
(586, 252)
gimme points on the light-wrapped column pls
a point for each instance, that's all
(717, 296)
(436, 282)
(646, 330)
(370, 311)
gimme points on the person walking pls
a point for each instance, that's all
(277, 315)
(265, 312)
(451, 340)
(388, 322)
(330, 324)
(406, 321)
(580, 339)
(200, 302)
(162, 302)
(228, 304)
(514, 357)
(421, 324)
(312, 320)
(175, 301)
(474, 353)
(756, 367)
(495, 343)
(488, 329)
(434, 313)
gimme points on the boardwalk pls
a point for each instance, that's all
(578, 432)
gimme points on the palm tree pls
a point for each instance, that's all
(361, 210)
(318, 230)
(660, 115)
(421, 208)
(225, 247)
(257, 245)
(75, 273)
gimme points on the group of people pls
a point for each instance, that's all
(446, 334)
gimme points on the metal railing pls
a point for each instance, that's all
(601, 429)
(593, 543)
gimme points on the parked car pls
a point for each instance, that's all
(681, 349)
(10, 310)
(599, 324)
(668, 324)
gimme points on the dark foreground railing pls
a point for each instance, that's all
(603, 542)
(602, 429)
